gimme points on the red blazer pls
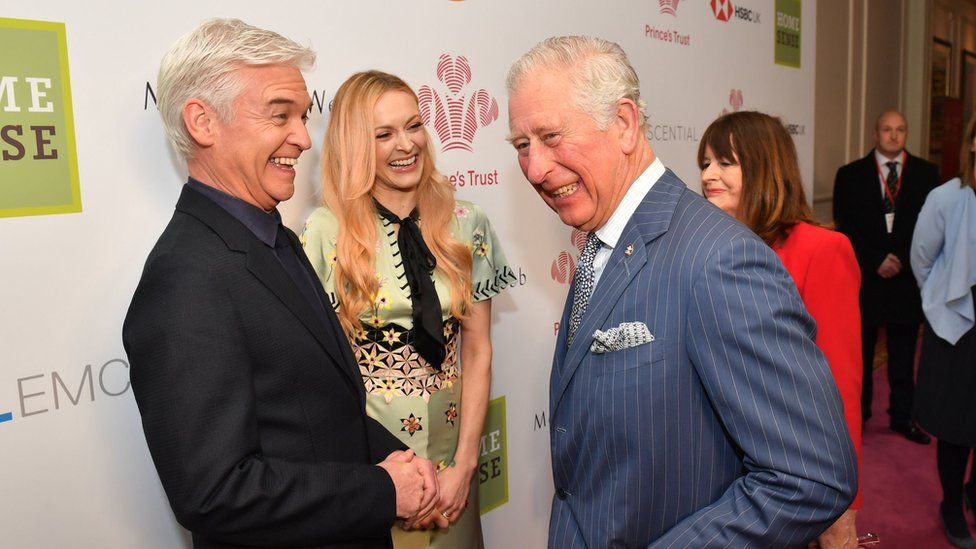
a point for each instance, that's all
(823, 265)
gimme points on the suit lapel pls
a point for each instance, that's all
(874, 190)
(651, 220)
(264, 265)
(349, 363)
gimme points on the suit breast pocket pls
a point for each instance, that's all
(631, 360)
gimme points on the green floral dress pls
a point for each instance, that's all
(412, 400)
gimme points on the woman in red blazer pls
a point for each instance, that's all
(749, 170)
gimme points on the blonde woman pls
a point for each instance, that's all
(411, 273)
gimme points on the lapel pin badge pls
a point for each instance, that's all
(628, 250)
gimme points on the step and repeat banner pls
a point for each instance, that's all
(87, 183)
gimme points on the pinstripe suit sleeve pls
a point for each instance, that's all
(751, 343)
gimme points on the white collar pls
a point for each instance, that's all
(610, 232)
(882, 159)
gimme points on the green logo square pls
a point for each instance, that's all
(38, 161)
(787, 40)
(493, 460)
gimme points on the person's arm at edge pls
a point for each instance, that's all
(928, 240)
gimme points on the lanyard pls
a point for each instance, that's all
(892, 195)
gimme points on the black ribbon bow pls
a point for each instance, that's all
(418, 265)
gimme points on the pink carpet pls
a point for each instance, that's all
(900, 485)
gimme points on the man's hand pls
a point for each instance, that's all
(842, 534)
(408, 481)
(890, 266)
(426, 513)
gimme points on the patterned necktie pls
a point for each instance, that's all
(891, 187)
(584, 285)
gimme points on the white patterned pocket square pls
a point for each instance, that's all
(625, 336)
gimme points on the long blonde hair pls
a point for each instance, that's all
(348, 176)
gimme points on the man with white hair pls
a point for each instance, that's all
(689, 405)
(251, 400)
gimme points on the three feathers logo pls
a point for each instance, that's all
(455, 115)
(564, 266)
(669, 7)
(735, 101)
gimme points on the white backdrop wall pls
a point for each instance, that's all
(74, 468)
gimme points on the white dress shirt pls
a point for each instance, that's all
(882, 161)
(610, 232)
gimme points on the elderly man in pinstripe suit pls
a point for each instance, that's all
(689, 406)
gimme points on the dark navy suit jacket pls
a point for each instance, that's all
(252, 404)
(727, 429)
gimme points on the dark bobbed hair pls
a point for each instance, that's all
(772, 200)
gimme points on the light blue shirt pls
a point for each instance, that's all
(944, 259)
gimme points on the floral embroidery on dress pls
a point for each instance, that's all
(383, 301)
(461, 211)
(391, 336)
(331, 261)
(451, 412)
(389, 388)
(387, 351)
(411, 424)
(480, 246)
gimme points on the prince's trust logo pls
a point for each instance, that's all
(564, 266)
(456, 116)
(669, 7)
(735, 101)
(665, 33)
(455, 113)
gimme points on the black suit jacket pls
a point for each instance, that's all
(252, 404)
(858, 214)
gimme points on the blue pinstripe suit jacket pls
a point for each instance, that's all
(727, 429)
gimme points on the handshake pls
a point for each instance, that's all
(427, 499)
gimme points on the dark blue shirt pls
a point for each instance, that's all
(269, 230)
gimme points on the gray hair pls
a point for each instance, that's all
(599, 71)
(202, 63)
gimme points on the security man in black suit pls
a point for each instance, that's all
(876, 204)
(251, 401)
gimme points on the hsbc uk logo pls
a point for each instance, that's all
(725, 11)
(564, 266)
(794, 129)
(455, 114)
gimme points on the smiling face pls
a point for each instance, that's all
(253, 155)
(577, 168)
(400, 144)
(721, 180)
